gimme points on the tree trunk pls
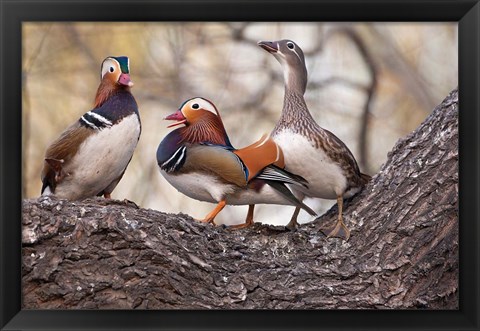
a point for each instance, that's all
(403, 250)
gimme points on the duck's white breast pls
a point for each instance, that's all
(208, 188)
(325, 178)
(266, 195)
(100, 159)
(199, 186)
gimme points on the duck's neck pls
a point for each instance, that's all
(295, 79)
(295, 112)
(209, 129)
(106, 90)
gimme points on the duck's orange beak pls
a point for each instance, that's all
(176, 116)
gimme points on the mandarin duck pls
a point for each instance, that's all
(90, 157)
(200, 162)
(310, 151)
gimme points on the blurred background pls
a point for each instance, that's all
(369, 83)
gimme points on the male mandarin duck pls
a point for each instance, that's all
(310, 151)
(200, 162)
(90, 157)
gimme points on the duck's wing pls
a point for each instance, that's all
(217, 160)
(60, 152)
(259, 155)
(285, 192)
(274, 173)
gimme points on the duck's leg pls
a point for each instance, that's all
(211, 215)
(109, 189)
(339, 230)
(248, 220)
(293, 221)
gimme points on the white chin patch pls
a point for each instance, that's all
(286, 71)
(279, 56)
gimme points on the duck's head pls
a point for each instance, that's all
(114, 76)
(116, 71)
(202, 122)
(292, 59)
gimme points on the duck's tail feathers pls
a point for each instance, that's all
(283, 190)
(365, 178)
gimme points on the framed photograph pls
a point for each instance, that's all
(241, 165)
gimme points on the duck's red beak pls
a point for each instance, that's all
(124, 79)
(176, 116)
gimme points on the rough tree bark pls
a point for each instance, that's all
(403, 252)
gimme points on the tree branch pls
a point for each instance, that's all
(403, 252)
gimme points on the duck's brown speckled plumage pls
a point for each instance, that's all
(327, 164)
(296, 118)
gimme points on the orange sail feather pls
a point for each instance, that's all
(259, 155)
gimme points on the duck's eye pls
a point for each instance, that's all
(112, 69)
(195, 106)
(290, 45)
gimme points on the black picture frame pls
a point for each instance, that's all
(14, 12)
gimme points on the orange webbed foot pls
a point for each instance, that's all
(248, 220)
(211, 216)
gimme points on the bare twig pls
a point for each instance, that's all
(370, 90)
(411, 80)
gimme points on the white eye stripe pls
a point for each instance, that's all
(110, 62)
(294, 50)
(203, 104)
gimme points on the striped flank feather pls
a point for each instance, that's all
(176, 161)
(277, 174)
